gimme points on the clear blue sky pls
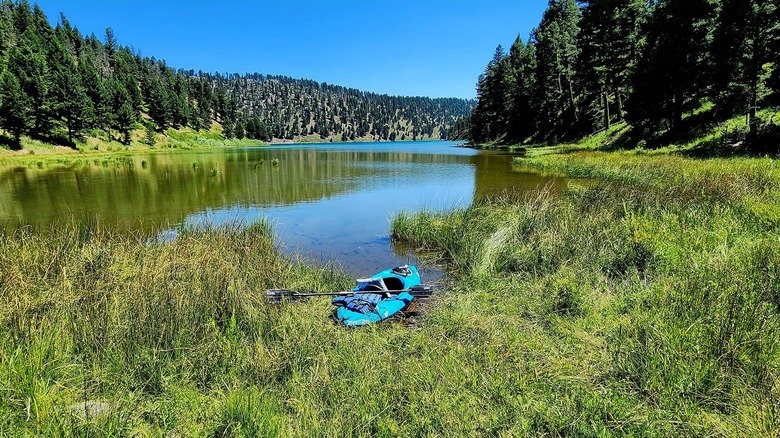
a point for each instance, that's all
(414, 48)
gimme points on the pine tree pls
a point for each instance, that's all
(556, 57)
(180, 108)
(743, 43)
(522, 108)
(96, 91)
(159, 104)
(151, 134)
(672, 72)
(7, 31)
(15, 107)
(122, 114)
(488, 120)
(610, 41)
(31, 69)
(110, 45)
(74, 106)
(239, 128)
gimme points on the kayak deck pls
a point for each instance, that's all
(379, 297)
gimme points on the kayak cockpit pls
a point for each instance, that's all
(378, 297)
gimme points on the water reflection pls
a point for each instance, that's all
(332, 202)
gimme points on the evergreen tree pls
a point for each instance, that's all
(488, 120)
(522, 109)
(556, 58)
(746, 35)
(15, 107)
(31, 69)
(238, 128)
(204, 105)
(7, 31)
(73, 83)
(74, 106)
(256, 129)
(159, 104)
(672, 72)
(181, 109)
(150, 137)
(110, 45)
(122, 114)
(610, 41)
(96, 91)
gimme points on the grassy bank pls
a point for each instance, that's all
(98, 142)
(169, 336)
(647, 303)
(175, 339)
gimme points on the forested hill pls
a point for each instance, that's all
(59, 86)
(293, 108)
(667, 68)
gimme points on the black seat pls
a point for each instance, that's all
(393, 283)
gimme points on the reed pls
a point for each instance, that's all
(645, 303)
(667, 270)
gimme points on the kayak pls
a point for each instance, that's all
(378, 297)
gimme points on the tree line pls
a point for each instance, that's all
(663, 66)
(60, 86)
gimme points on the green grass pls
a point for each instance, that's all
(96, 142)
(643, 301)
(177, 340)
(646, 303)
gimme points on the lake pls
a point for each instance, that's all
(329, 202)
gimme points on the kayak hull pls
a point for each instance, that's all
(385, 308)
(374, 300)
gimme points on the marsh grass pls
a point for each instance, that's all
(644, 304)
(660, 282)
(174, 338)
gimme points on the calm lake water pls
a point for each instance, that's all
(331, 202)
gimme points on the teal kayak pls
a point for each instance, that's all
(378, 297)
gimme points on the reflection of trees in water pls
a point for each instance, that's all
(152, 190)
(494, 175)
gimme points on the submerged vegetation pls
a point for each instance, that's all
(645, 303)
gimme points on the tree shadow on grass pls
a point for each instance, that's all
(740, 143)
(56, 139)
(10, 143)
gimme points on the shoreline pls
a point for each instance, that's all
(40, 151)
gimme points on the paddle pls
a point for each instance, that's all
(281, 295)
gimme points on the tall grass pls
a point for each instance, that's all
(91, 314)
(663, 279)
(646, 304)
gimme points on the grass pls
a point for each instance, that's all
(96, 142)
(644, 304)
(175, 339)
(724, 138)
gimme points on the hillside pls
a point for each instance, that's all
(294, 108)
(60, 87)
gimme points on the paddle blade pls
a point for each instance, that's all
(421, 291)
(277, 296)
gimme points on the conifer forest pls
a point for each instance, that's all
(58, 86)
(666, 67)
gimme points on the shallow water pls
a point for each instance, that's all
(331, 202)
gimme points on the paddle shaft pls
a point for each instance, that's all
(289, 294)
